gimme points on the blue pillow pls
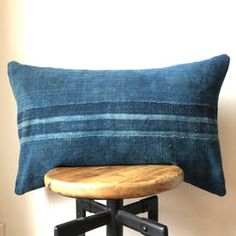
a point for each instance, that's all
(112, 117)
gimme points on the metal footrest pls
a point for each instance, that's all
(115, 216)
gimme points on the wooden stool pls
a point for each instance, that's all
(113, 183)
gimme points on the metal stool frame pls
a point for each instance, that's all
(115, 215)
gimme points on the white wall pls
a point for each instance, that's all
(117, 34)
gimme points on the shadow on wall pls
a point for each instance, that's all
(15, 211)
(227, 130)
(202, 211)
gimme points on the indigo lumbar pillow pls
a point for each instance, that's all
(112, 117)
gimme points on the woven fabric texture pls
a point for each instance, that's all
(112, 117)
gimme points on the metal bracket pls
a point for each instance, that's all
(142, 225)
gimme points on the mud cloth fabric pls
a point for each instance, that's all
(112, 117)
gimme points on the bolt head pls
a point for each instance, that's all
(144, 228)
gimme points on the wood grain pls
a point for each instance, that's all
(113, 182)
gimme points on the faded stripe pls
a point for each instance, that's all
(118, 107)
(121, 116)
(115, 133)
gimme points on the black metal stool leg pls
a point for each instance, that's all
(82, 225)
(114, 228)
(80, 212)
(149, 205)
(152, 208)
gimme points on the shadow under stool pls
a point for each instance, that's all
(114, 184)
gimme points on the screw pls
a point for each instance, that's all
(144, 228)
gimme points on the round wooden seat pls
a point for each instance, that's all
(113, 182)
